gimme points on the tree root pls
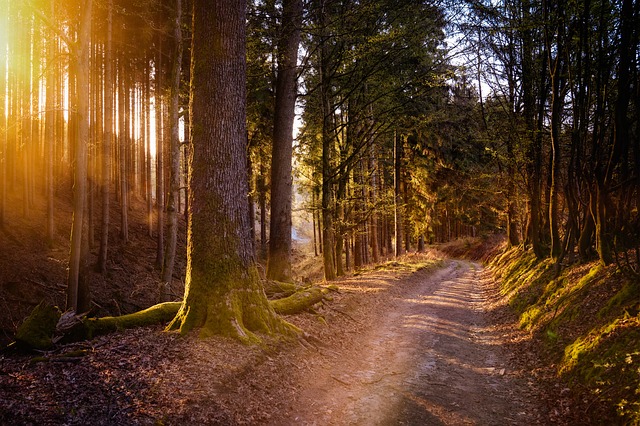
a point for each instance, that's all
(87, 328)
(299, 301)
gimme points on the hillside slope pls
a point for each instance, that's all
(586, 319)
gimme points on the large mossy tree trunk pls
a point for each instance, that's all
(223, 294)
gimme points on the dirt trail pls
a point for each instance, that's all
(434, 358)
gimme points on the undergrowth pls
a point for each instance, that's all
(587, 317)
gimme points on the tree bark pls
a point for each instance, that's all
(4, 158)
(373, 195)
(123, 141)
(174, 181)
(397, 161)
(159, 160)
(223, 294)
(107, 142)
(279, 261)
(328, 239)
(534, 149)
(147, 112)
(49, 129)
(76, 287)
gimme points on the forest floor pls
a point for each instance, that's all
(411, 342)
(420, 340)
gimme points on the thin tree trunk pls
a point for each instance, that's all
(159, 161)
(373, 195)
(4, 158)
(262, 201)
(77, 291)
(174, 181)
(328, 239)
(279, 261)
(148, 179)
(107, 142)
(123, 142)
(397, 145)
(49, 126)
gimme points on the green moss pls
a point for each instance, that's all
(529, 318)
(232, 305)
(157, 314)
(36, 332)
(599, 354)
(607, 361)
(627, 297)
(299, 301)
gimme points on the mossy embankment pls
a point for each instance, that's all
(586, 318)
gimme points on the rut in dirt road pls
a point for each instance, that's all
(433, 359)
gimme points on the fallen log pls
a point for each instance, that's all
(156, 314)
(36, 331)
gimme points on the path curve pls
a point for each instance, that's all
(433, 359)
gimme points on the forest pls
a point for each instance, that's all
(219, 166)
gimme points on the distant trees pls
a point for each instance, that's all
(97, 127)
(574, 109)
(372, 68)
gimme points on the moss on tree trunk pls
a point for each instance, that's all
(223, 294)
(37, 330)
(236, 307)
(156, 314)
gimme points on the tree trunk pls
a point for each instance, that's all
(174, 181)
(159, 160)
(373, 195)
(123, 141)
(534, 148)
(341, 216)
(106, 143)
(262, 201)
(223, 294)
(146, 99)
(49, 126)
(279, 261)
(3, 129)
(554, 226)
(327, 151)
(76, 292)
(397, 161)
